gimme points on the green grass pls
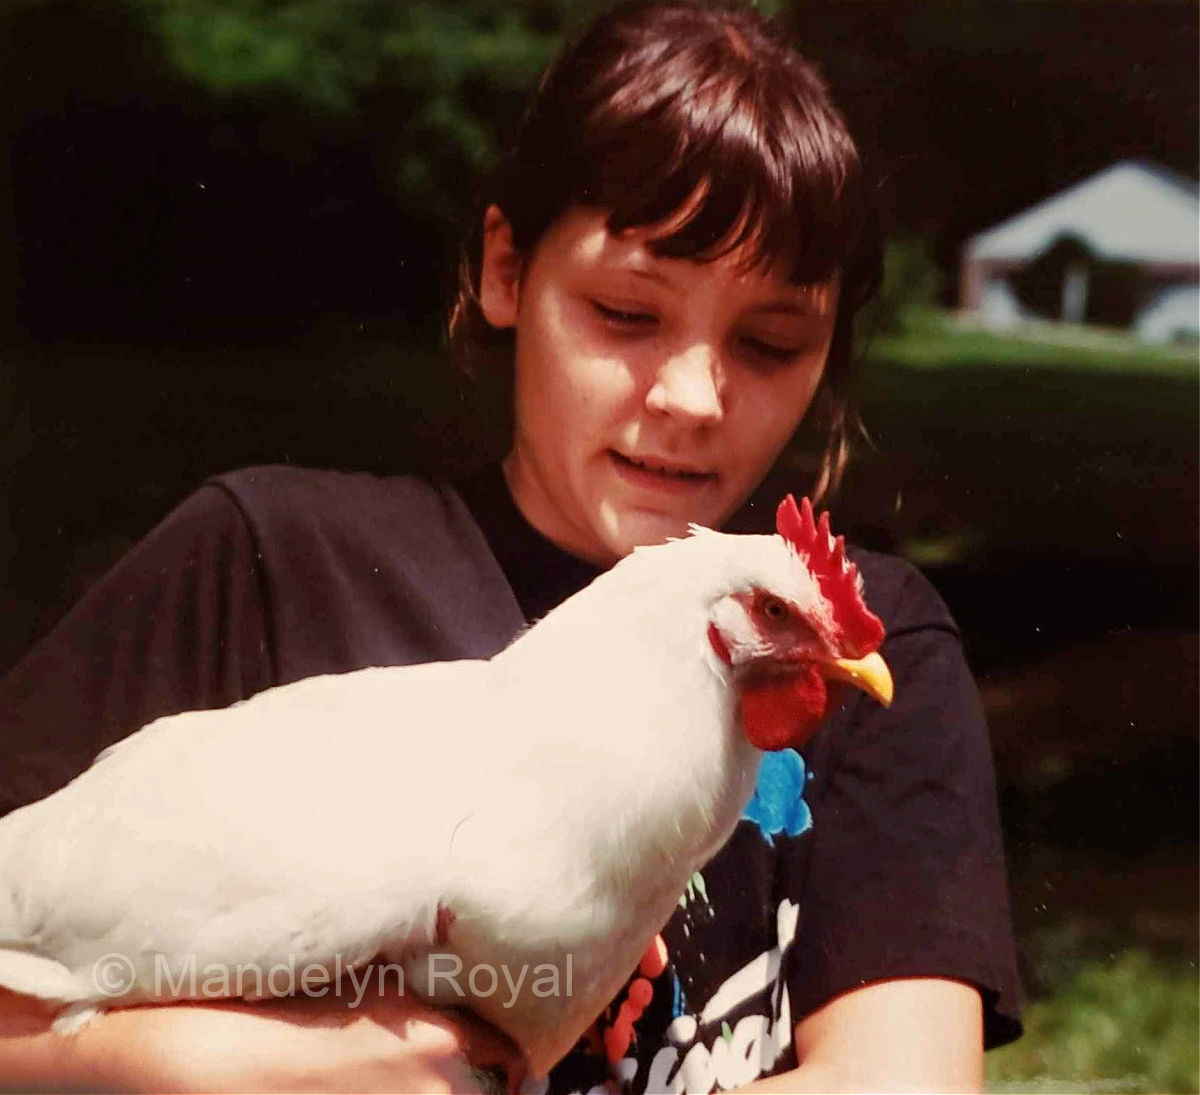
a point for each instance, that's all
(1127, 1023)
(991, 447)
(932, 340)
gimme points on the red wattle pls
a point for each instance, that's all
(783, 711)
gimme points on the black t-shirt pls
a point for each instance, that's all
(875, 854)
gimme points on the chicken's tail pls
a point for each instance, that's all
(35, 975)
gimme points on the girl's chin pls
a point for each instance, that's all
(627, 529)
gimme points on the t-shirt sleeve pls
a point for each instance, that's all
(905, 873)
(178, 624)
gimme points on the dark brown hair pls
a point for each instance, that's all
(654, 103)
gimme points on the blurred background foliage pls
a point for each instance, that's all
(912, 283)
(436, 69)
(233, 227)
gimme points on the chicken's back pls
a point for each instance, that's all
(299, 824)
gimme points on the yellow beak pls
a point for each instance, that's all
(871, 674)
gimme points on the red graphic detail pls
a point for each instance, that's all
(619, 1036)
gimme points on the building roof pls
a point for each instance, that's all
(1130, 212)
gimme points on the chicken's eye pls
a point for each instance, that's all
(775, 610)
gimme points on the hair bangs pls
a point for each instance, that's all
(723, 169)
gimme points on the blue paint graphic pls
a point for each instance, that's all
(678, 1004)
(778, 804)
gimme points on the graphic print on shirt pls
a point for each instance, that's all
(741, 1032)
(778, 804)
(720, 1015)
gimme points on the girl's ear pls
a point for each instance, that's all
(500, 271)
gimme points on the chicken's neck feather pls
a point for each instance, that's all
(631, 696)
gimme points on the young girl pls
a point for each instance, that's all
(669, 264)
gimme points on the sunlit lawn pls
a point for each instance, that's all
(1125, 1024)
(1072, 441)
(932, 339)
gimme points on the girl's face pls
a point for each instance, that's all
(650, 392)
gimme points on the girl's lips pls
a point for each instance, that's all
(652, 475)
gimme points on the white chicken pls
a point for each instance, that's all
(540, 811)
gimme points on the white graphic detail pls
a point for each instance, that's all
(756, 1041)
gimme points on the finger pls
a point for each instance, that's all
(490, 1050)
(490, 1081)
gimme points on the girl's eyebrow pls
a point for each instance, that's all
(804, 307)
(649, 273)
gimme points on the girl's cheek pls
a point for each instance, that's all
(603, 378)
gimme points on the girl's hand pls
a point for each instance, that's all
(387, 1043)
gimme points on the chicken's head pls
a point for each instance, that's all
(798, 624)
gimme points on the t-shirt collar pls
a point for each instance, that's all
(541, 574)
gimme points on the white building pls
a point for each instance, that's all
(1133, 222)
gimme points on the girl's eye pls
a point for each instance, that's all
(767, 351)
(619, 317)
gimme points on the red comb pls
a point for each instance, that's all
(860, 630)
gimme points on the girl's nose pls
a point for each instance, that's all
(688, 385)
